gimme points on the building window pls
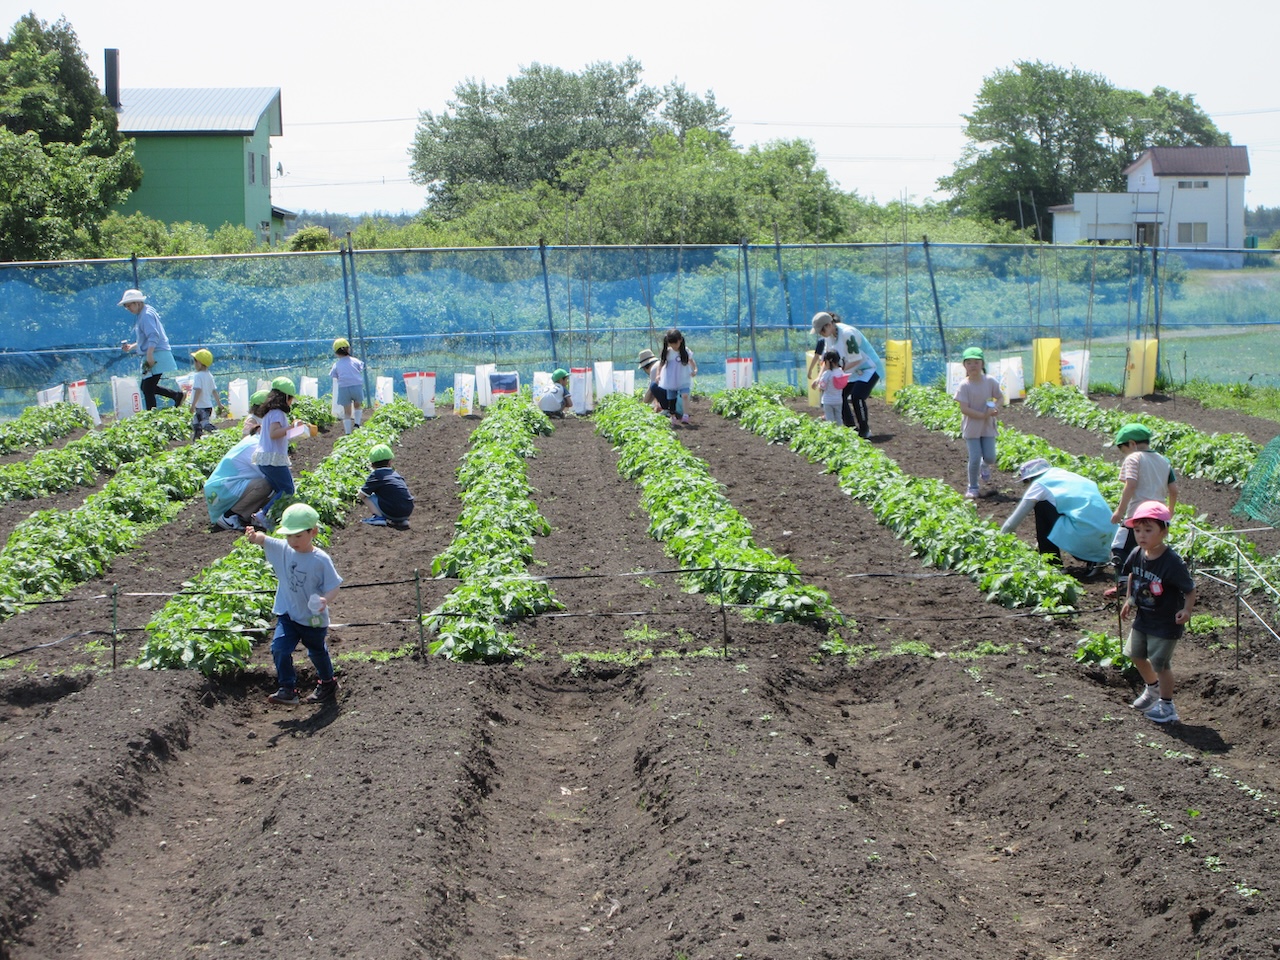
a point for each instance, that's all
(266, 174)
(1193, 184)
(253, 167)
(1193, 233)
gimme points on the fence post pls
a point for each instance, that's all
(355, 297)
(115, 621)
(417, 589)
(751, 303)
(546, 291)
(724, 617)
(937, 307)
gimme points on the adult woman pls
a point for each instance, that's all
(857, 358)
(152, 343)
(1070, 513)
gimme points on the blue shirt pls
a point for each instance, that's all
(298, 576)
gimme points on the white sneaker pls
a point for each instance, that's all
(230, 522)
(1162, 711)
(1148, 696)
(971, 493)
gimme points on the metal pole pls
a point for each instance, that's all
(937, 307)
(546, 290)
(751, 304)
(417, 589)
(355, 298)
(115, 623)
(786, 293)
(724, 617)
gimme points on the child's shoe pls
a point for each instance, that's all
(285, 697)
(675, 421)
(1110, 592)
(1148, 697)
(325, 692)
(986, 472)
(685, 419)
(1162, 711)
(971, 493)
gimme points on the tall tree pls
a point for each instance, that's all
(526, 131)
(63, 164)
(1039, 133)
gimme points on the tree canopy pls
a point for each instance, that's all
(1039, 133)
(63, 164)
(526, 131)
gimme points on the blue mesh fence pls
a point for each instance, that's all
(531, 308)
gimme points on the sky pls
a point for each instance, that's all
(879, 89)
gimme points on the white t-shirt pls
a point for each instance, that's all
(202, 387)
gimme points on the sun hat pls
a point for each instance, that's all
(1132, 433)
(132, 296)
(558, 374)
(296, 518)
(973, 353)
(1033, 468)
(204, 356)
(646, 359)
(259, 397)
(381, 453)
(1150, 510)
(342, 343)
(285, 386)
(820, 320)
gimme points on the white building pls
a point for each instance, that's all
(1177, 197)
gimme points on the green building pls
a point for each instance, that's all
(205, 154)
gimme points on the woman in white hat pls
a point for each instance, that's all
(152, 343)
(1071, 514)
(651, 365)
(857, 358)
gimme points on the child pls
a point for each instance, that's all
(1146, 476)
(676, 374)
(1162, 592)
(306, 583)
(349, 372)
(204, 395)
(979, 397)
(557, 400)
(272, 455)
(386, 492)
(831, 381)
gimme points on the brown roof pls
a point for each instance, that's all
(1196, 161)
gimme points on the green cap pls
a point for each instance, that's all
(259, 397)
(1132, 433)
(381, 453)
(296, 518)
(973, 353)
(558, 374)
(285, 386)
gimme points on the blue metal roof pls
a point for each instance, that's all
(199, 110)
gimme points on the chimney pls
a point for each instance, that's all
(112, 77)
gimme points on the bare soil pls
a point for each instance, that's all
(736, 794)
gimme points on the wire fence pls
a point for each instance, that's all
(535, 308)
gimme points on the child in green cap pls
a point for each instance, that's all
(306, 584)
(1146, 476)
(386, 492)
(557, 400)
(979, 396)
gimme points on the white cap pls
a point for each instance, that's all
(132, 296)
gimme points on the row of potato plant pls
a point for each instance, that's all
(934, 410)
(208, 625)
(493, 543)
(1220, 457)
(699, 526)
(53, 550)
(40, 425)
(81, 462)
(934, 519)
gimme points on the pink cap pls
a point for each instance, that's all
(1150, 510)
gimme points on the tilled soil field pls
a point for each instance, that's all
(737, 794)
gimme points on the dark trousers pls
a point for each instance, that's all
(1046, 516)
(854, 408)
(1118, 557)
(151, 387)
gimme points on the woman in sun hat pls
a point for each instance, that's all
(1071, 514)
(979, 397)
(650, 364)
(857, 358)
(236, 488)
(150, 340)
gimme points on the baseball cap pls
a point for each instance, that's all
(820, 320)
(296, 518)
(380, 453)
(342, 343)
(559, 373)
(1132, 433)
(1150, 510)
(204, 356)
(973, 353)
(285, 386)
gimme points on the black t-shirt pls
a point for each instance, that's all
(1159, 587)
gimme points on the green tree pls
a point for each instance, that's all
(63, 164)
(312, 238)
(526, 131)
(1039, 133)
